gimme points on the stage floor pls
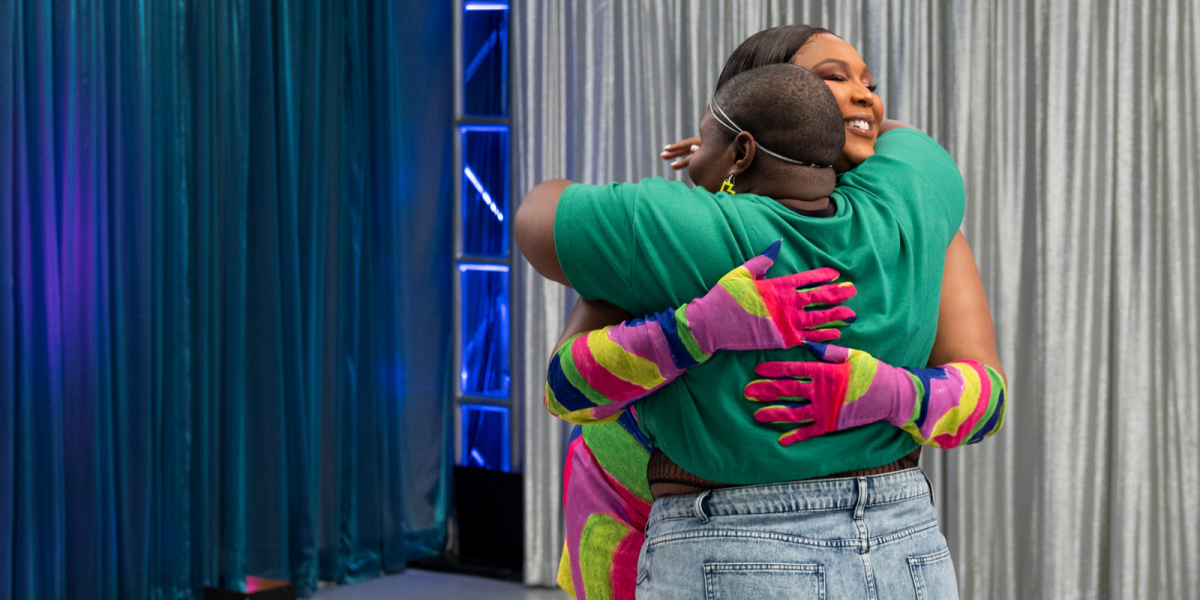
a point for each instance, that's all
(415, 584)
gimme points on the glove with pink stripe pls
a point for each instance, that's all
(947, 406)
(596, 375)
(745, 311)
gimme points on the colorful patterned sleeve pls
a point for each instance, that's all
(597, 375)
(959, 403)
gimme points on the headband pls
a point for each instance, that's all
(729, 124)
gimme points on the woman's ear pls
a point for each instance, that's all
(744, 150)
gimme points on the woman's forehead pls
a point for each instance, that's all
(825, 46)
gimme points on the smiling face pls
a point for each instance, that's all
(838, 63)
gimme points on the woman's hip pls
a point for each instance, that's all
(862, 537)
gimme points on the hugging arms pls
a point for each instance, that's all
(601, 368)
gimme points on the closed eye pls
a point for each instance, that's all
(871, 88)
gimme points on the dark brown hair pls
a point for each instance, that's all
(787, 109)
(768, 47)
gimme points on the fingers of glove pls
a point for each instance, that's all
(828, 352)
(776, 390)
(789, 368)
(759, 265)
(820, 335)
(826, 295)
(812, 319)
(800, 434)
(783, 414)
(792, 298)
(806, 279)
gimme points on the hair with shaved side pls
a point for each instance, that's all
(788, 110)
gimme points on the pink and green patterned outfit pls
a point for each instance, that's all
(607, 502)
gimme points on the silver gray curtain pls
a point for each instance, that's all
(1075, 126)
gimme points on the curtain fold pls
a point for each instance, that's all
(224, 262)
(1075, 127)
(538, 40)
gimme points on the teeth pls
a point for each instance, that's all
(859, 124)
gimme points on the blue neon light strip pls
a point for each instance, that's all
(487, 198)
(482, 54)
(485, 437)
(486, 6)
(492, 128)
(464, 267)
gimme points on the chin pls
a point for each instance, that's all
(857, 153)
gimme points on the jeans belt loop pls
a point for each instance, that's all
(698, 508)
(860, 504)
(930, 484)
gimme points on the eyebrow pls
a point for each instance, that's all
(844, 64)
(833, 60)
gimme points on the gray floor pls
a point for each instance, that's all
(415, 584)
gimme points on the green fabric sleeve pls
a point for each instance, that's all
(934, 180)
(594, 239)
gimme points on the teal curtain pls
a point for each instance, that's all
(224, 281)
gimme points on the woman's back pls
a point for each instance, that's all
(895, 216)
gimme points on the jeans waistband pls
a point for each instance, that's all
(795, 496)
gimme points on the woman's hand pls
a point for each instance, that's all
(746, 310)
(681, 150)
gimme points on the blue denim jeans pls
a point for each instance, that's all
(856, 538)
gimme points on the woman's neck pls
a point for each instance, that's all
(806, 189)
(804, 205)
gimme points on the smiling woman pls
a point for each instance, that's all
(839, 64)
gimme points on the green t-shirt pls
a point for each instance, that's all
(656, 244)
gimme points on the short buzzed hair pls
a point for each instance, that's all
(788, 110)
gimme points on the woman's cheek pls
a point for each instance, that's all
(858, 151)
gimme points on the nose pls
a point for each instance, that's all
(862, 96)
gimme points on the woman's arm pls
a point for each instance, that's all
(965, 329)
(588, 316)
(533, 229)
(890, 124)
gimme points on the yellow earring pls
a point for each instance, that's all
(727, 186)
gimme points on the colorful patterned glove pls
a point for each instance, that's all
(596, 375)
(947, 406)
